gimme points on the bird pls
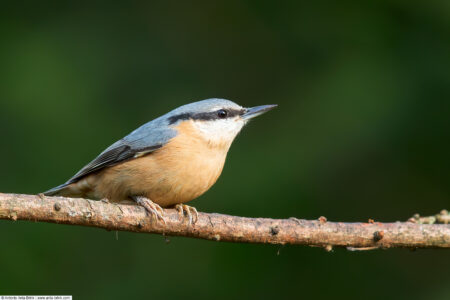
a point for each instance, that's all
(166, 162)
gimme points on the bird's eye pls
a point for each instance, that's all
(222, 113)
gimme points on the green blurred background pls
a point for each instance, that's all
(362, 131)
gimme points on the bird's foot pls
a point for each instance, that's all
(151, 207)
(189, 211)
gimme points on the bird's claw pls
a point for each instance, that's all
(189, 211)
(151, 207)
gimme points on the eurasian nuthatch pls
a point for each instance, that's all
(166, 162)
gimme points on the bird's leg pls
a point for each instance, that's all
(151, 207)
(190, 212)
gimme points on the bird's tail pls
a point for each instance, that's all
(80, 188)
(59, 190)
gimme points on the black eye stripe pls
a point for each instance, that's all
(230, 113)
(180, 117)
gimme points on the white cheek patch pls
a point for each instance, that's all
(220, 130)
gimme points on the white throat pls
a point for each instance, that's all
(219, 132)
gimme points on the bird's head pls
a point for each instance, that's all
(218, 121)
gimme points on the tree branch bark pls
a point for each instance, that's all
(218, 227)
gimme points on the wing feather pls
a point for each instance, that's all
(111, 157)
(142, 141)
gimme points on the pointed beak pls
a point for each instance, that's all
(256, 111)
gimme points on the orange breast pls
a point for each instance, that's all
(182, 170)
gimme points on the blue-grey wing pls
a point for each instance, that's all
(142, 141)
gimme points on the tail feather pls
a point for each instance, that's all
(81, 188)
(56, 191)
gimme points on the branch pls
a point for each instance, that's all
(218, 227)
